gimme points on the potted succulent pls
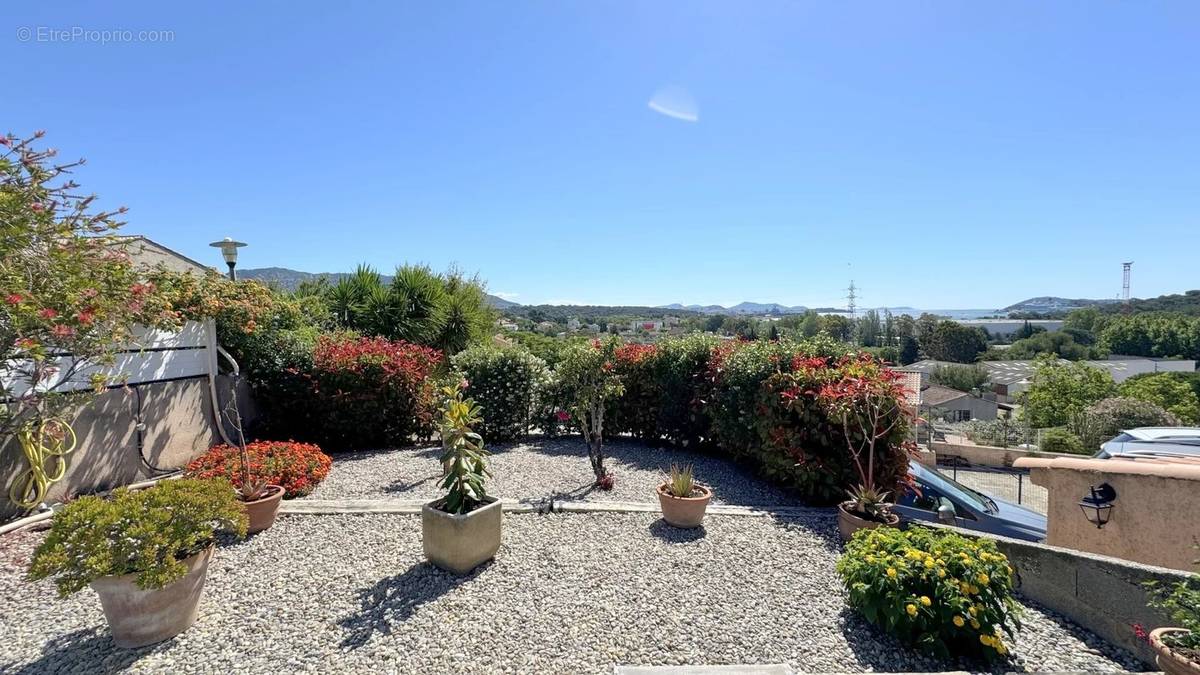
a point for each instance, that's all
(1177, 649)
(461, 530)
(144, 552)
(682, 499)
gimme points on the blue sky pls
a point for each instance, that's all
(943, 154)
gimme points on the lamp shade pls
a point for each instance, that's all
(229, 249)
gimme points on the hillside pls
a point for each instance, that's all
(1187, 302)
(288, 280)
(1049, 303)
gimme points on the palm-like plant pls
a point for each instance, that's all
(463, 454)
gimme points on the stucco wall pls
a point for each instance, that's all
(1152, 519)
(179, 426)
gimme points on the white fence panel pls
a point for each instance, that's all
(153, 357)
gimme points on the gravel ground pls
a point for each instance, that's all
(568, 593)
(539, 468)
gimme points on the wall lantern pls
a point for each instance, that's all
(229, 251)
(1098, 507)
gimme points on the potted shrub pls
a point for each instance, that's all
(869, 406)
(682, 499)
(295, 468)
(260, 499)
(933, 589)
(1177, 649)
(144, 552)
(461, 530)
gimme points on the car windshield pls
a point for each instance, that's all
(955, 490)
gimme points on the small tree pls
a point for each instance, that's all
(868, 400)
(963, 378)
(67, 287)
(1061, 390)
(588, 373)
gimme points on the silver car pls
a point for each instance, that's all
(1159, 442)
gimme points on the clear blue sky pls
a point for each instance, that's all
(944, 154)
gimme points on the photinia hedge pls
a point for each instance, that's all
(371, 392)
(296, 467)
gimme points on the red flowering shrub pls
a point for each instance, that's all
(296, 467)
(372, 392)
(802, 434)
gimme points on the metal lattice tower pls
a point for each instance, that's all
(851, 299)
(1125, 268)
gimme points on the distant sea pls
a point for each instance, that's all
(949, 313)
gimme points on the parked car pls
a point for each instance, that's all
(1158, 442)
(940, 499)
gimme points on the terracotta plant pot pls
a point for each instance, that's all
(261, 512)
(1171, 661)
(459, 544)
(849, 523)
(140, 617)
(686, 512)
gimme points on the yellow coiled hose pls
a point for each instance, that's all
(45, 444)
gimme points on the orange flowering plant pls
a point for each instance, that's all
(296, 467)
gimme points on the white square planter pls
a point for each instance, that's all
(459, 544)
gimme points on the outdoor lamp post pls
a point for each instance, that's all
(1097, 507)
(229, 251)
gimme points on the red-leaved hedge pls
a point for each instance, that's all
(372, 392)
(296, 467)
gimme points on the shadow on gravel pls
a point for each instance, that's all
(1094, 642)
(91, 646)
(880, 652)
(576, 494)
(394, 599)
(675, 535)
(400, 487)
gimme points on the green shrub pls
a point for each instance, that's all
(933, 589)
(1175, 395)
(1061, 440)
(147, 532)
(737, 371)
(551, 412)
(680, 369)
(505, 382)
(635, 411)
(1105, 419)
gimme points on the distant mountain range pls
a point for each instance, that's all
(288, 280)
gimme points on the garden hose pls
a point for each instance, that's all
(45, 445)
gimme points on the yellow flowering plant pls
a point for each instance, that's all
(933, 589)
